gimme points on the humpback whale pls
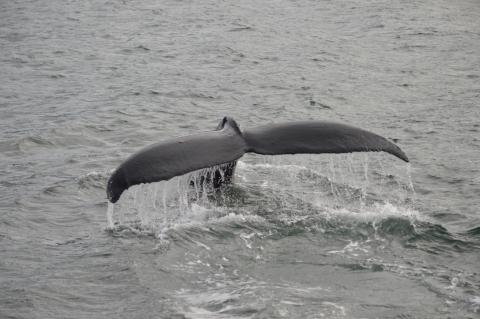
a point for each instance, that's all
(225, 145)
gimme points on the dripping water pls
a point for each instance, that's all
(357, 183)
(161, 205)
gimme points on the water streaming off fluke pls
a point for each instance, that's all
(299, 185)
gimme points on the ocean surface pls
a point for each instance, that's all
(84, 84)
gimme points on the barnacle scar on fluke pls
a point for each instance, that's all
(226, 144)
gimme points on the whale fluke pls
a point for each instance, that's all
(178, 156)
(315, 137)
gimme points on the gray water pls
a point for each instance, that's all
(84, 84)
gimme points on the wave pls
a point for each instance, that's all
(283, 200)
(283, 194)
(94, 179)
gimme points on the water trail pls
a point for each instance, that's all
(110, 215)
(347, 181)
(335, 184)
(366, 182)
(410, 183)
(162, 205)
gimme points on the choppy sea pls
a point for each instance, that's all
(84, 84)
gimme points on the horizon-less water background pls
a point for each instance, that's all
(84, 84)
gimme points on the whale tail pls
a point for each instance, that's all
(315, 137)
(228, 143)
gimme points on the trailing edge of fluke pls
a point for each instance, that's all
(225, 145)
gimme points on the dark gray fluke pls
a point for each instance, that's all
(181, 155)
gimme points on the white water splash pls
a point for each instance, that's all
(352, 181)
(162, 205)
(337, 185)
(110, 211)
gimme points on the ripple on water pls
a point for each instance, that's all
(85, 83)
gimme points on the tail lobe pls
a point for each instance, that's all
(314, 137)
